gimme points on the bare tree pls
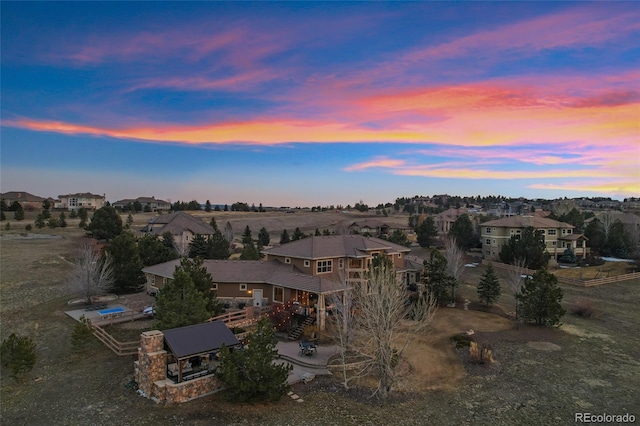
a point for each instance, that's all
(343, 310)
(385, 324)
(515, 275)
(607, 220)
(455, 261)
(228, 232)
(92, 273)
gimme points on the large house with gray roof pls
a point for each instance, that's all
(307, 271)
(150, 204)
(183, 226)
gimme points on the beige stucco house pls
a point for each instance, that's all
(181, 225)
(77, 201)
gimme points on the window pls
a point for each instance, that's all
(488, 230)
(287, 260)
(553, 243)
(165, 281)
(551, 232)
(243, 287)
(569, 231)
(214, 286)
(150, 279)
(278, 294)
(542, 231)
(493, 242)
(324, 266)
(487, 241)
(307, 263)
(341, 263)
(564, 231)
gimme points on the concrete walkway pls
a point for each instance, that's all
(304, 365)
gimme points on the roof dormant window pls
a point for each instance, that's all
(287, 260)
(307, 263)
(324, 266)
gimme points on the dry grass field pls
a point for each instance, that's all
(544, 376)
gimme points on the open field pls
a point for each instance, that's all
(544, 376)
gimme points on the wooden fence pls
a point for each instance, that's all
(573, 281)
(245, 316)
(119, 348)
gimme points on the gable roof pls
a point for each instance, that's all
(82, 195)
(199, 338)
(322, 247)
(526, 221)
(270, 272)
(143, 200)
(176, 223)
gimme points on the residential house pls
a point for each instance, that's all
(307, 271)
(181, 225)
(445, 219)
(84, 200)
(28, 201)
(153, 204)
(558, 236)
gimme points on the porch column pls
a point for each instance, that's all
(321, 312)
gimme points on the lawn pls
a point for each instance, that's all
(544, 376)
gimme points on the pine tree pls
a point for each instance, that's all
(218, 247)
(437, 282)
(249, 252)
(264, 237)
(207, 206)
(284, 237)
(539, 300)
(46, 205)
(246, 236)
(251, 375)
(425, 232)
(297, 235)
(129, 220)
(105, 224)
(82, 333)
(3, 216)
(18, 213)
(84, 216)
(39, 222)
(203, 281)
(180, 303)
(199, 247)
(62, 220)
(213, 224)
(127, 266)
(489, 286)
(18, 353)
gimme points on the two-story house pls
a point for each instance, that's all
(148, 204)
(307, 272)
(181, 225)
(84, 200)
(558, 236)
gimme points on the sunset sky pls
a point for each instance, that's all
(304, 104)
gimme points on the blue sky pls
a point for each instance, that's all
(308, 103)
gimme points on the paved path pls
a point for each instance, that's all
(302, 364)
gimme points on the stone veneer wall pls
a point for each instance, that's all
(150, 372)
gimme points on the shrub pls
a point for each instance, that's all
(584, 308)
(82, 333)
(461, 340)
(480, 353)
(28, 227)
(18, 353)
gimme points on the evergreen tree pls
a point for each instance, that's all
(203, 282)
(180, 303)
(84, 216)
(463, 231)
(264, 237)
(284, 237)
(152, 250)
(246, 236)
(594, 231)
(426, 232)
(539, 300)
(62, 220)
(18, 212)
(297, 235)
(317, 233)
(218, 247)
(251, 375)
(127, 266)
(213, 224)
(53, 223)
(2, 215)
(489, 286)
(82, 333)
(73, 214)
(217, 208)
(530, 247)
(199, 247)
(207, 206)
(249, 252)
(46, 213)
(3, 206)
(39, 222)
(137, 206)
(129, 221)
(399, 237)
(105, 224)
(436, 279)
(18, 354)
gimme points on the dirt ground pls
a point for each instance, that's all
(545, 375)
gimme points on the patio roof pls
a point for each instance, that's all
(199, 338)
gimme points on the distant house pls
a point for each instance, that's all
(558, 236)
(306, 271)
(154, 205)
(444, 220)
(181, 225)
(84, 200)
(28, 201)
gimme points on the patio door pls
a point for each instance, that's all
(257, 297)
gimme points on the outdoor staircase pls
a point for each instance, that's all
(297, 332)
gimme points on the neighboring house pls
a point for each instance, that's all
(181, 225)
(558, 236)
(154, 205)
(374, 228)
(84, 200)
(28, 201)
(307, 271)
(444, 220)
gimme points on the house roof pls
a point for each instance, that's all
(82, 195)
(526, 221)
(143, 200)
(270, 272)
(176, 223)
(21, 196)
(322, 247)
(199, 338)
